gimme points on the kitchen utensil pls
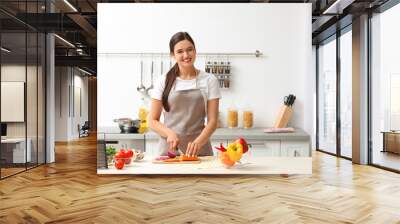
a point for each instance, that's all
(293, 98)
(127, 125)
(180, 151)
(289, 100)
(286, 111)
(151, 75)
(162, 67)
(141, 88)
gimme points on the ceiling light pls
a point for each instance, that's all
(64, 40)
(84, 71)
(5, 50)
(70, 5)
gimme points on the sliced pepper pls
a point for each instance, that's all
(221, 148)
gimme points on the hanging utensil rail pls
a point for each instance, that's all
(257, 53)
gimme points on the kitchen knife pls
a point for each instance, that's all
(292, 99)
(286, 100)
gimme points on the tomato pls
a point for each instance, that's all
(119, 164)
(120, 155)
(123, 152)
(130, 153)
(127, 161)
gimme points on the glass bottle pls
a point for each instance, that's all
(143, 113)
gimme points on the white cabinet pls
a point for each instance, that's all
(264, 148)
(152, 147)
(272, 148)
(295, 148)
(256, 148)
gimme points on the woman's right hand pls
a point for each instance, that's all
(172, 140)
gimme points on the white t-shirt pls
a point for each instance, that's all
(207, 83)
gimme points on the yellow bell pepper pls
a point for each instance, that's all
(234, 151)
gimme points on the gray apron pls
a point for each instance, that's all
(186, 118)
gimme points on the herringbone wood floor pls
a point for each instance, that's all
(69, 191)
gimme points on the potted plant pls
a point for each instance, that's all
(110, 152)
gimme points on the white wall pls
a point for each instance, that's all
(18, 73)
(282, 32)
(68, 81)
(80, 83)
(33, 126)
(61, 103)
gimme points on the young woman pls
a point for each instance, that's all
(186, 96)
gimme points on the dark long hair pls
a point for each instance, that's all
(174, 71)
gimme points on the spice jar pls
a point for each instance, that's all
(221, 68)
(226, 81)
(247, 118)
(208, 67)
(214, 68)
(228, 68)
(232, 117)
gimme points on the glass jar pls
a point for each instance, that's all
(232, 118)
(247, 119)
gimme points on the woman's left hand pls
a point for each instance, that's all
(192, 148)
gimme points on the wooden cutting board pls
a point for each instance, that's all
(178, 161)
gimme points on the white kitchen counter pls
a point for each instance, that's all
(211, 165)
(113, 133)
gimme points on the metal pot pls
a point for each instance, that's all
(127, 125)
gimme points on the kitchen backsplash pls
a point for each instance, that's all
(257, 84)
